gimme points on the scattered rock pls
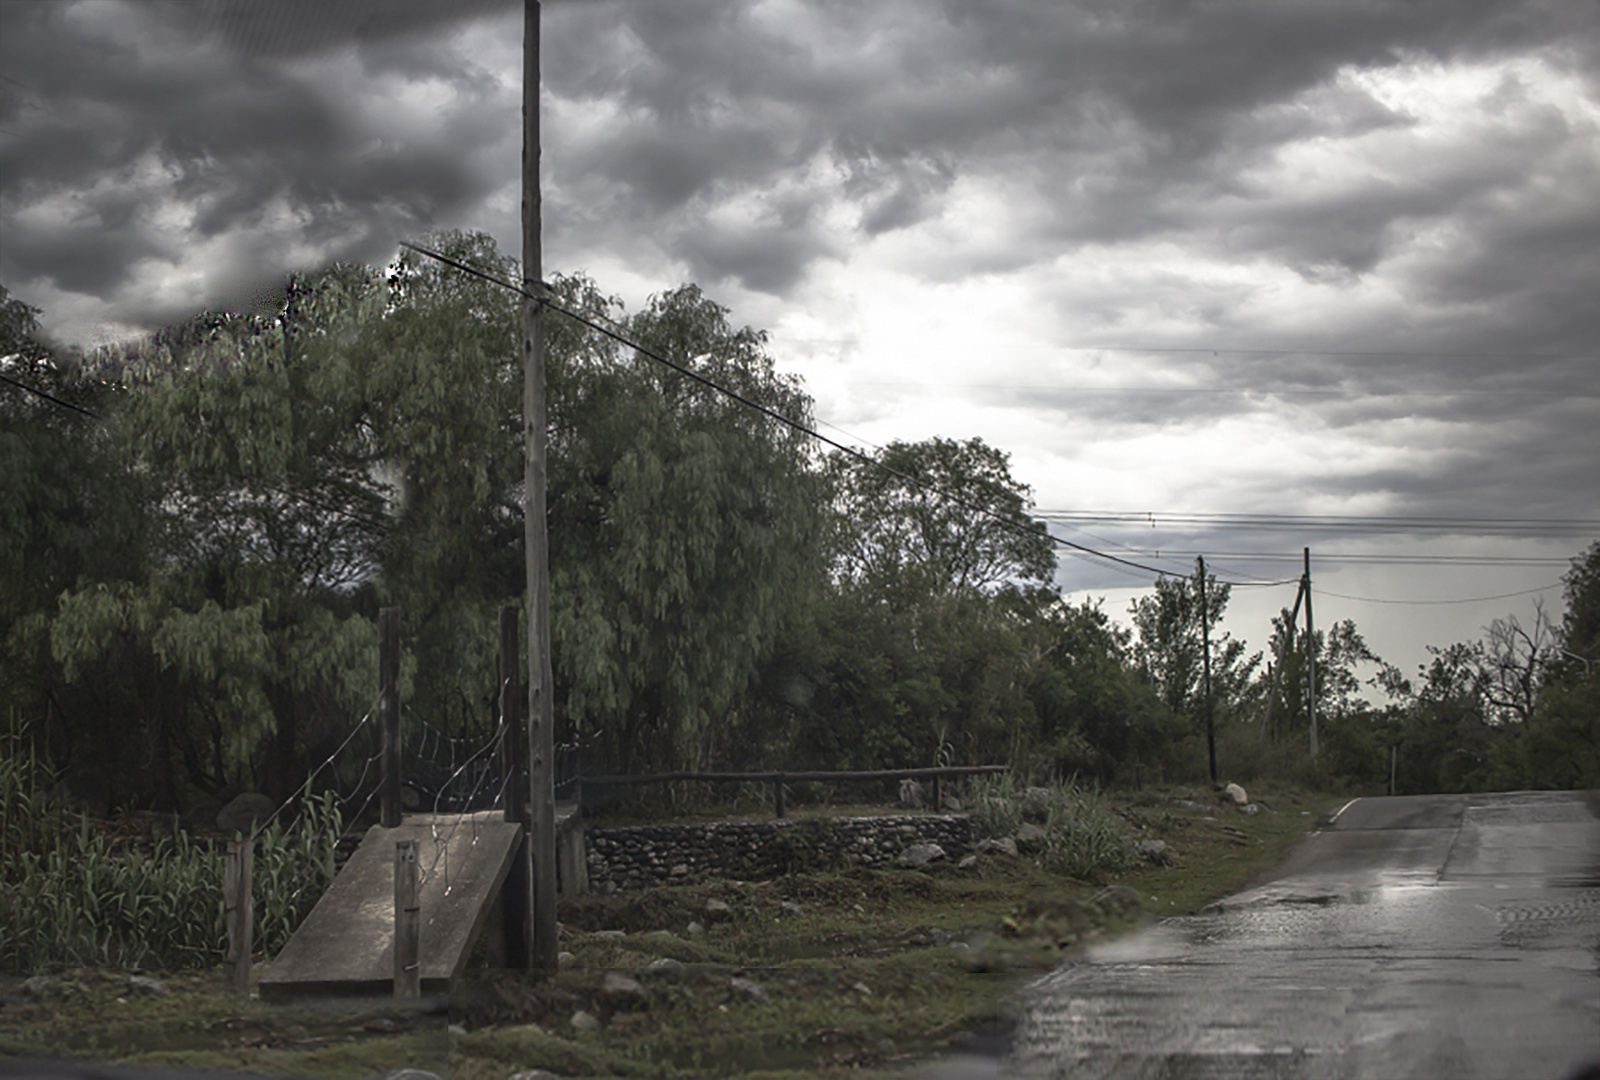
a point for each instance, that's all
(1249, 808)
(1156, 851)
(407, 1074)
(681, 870)
(912, 796)
(148, 986)
(1030, 836)
(1005, 845)
(791, 909)
(949, 803)
(621, 990)
(582, 1021)
(718, 908)
(42, 986)
(749, 990)
(1035, 803)
(696, 930)
(455, 1029)
(1236, 793)
(534, 1074)
(384, 1025)
(245, 812)
(665, 965)
(610, 934)
(862, 989)
(967, 862)
(564, 959)
(919, 855)
(1190, 804)
(1117, 899)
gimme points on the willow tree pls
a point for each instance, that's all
(684, 529)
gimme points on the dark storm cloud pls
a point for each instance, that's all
(1129, 121)
(141, 131)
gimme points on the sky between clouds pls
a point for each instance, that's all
(1225, 258)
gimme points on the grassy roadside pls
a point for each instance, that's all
(866, 971)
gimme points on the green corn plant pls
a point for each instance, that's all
(72, 899)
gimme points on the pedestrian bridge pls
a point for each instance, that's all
(345, 946)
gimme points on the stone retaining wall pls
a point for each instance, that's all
(645, 855)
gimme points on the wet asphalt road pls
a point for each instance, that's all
(1425, 936)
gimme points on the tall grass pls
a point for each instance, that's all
(72, 898)
(1083, 838)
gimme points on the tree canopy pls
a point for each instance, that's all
(201, 527)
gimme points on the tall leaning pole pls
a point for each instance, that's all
(541, 845)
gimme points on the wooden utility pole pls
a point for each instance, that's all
(514, 785)
(1311, 654)
(1205, 643)
(389, 713)
(541, 714)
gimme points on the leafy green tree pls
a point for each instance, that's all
(1559, 746)
(1580, 625)
(920, 646)
(241, 640)
(685, 533)
(73, 510)
(1096, 716)
(897, 523)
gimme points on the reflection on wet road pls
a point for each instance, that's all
(1428, 936)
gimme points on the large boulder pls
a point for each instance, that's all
(920, 855)
(1031, 837)
(912, 796)
(1236, 793)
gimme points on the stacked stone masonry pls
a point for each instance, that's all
(646, 855)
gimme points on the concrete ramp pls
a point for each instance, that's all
(346, 945)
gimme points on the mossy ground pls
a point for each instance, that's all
(879, 969)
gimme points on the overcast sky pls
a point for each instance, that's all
(1270, 257)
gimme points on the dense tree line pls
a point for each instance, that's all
(201, 527)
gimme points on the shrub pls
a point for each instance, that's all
(1084, 839)
(73, 899)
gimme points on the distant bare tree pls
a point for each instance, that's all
(1514, 658)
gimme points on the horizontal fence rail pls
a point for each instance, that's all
(798, 777)
(779, 779)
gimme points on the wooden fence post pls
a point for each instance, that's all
(240, 912)
(407, 922)
(389, 710)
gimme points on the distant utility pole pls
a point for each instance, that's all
(1205, 641)
(541, 841)
(1311, 654)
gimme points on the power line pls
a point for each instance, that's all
(782, 419)
(1420, 603)
(49, 397)
(1223, 350)
(1187, 391)
(1346, 522)
(1394, 560)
